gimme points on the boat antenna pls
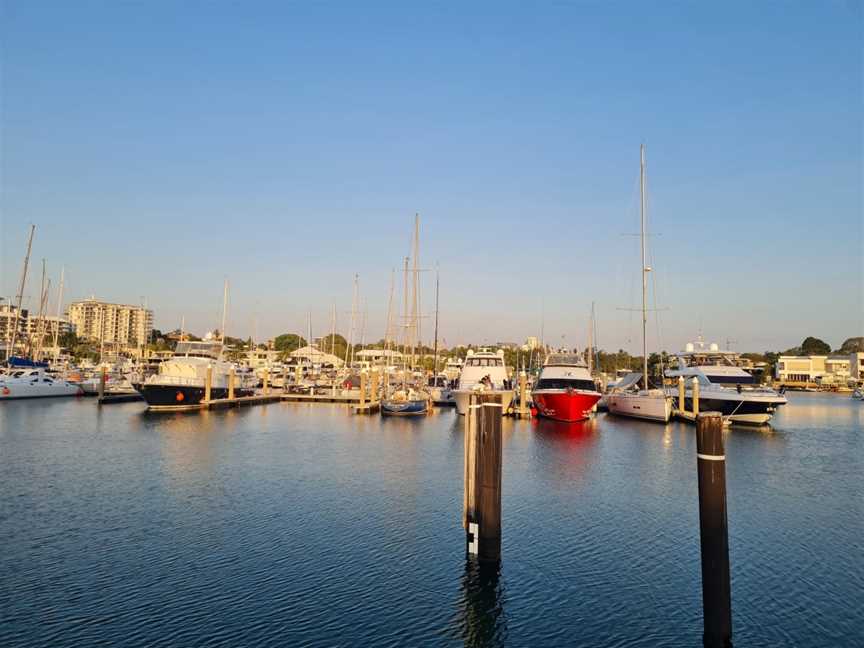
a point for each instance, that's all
(20, 294)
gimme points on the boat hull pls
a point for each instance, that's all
(743, 411)
(180, 397)
(462, 396)
(11, 391)
(565, 405)
(404, 408)
(650, 407)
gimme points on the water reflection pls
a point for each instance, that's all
(481, 620)
(563, 452)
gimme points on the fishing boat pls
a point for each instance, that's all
(483, 372)
(633, 396)
(565, 391)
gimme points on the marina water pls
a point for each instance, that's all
(295, 525)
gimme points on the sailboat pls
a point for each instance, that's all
(408, 401)
(627, 398)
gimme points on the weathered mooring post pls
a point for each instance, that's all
(695, 396)
(523, 394)
(373, 392)
(266, 381)
(482, 497)
(681, 395)
(208, 383)
(362, 389)
(103, 377)
(284, 379)
(231, 383)
(713, 531)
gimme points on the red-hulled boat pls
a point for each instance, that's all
(565, 391)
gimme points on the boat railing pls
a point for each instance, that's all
(175, 380)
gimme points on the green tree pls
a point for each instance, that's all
(288, 342)
(814, 346)
(852, 345)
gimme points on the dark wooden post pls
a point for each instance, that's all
(103, 377)
(713, 531)
(483, 473)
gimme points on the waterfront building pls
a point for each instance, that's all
(379, 356)
(856, 366)
(260, 358)
(312, 355)
(822, 369)
(120, 326)
(531, 344)
(7, 324)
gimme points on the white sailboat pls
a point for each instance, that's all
(627, 398)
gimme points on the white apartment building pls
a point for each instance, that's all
(118, 325)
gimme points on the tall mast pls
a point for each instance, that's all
(415, 297)
(645, 269)
(224, 310)
(43, 307)
(405, 322)
(333, 330)
(590, 349)
(20, 294)
(437, 284)
(354, 297)
(59, 307)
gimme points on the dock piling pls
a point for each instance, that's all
(103, 377)
(231, 383)
(682, 404)
(523, 394)
(483, 458)
(362, 389)
(695, 397)
(266, 381)
(713, 531)
(208, 383)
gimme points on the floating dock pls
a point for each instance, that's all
(239, 401)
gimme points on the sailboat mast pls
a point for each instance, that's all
(224, 310)
(415, 294)
(437, 283)
(645, 269)
(20, 294)
(405, 322)
(59, 306)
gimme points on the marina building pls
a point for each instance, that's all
(379, 356)
(29, 327)
(122, 326)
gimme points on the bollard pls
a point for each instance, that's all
(102, 378)
(523, 394)
(695, 396)
(284, 379)
(362, 390)
(208, 383)
(682, 404)
(482, 511)
(231, 383)
(266, 381)
(373, 392)
(713, 531)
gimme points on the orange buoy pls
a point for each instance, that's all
(180, 396)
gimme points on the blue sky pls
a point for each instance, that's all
(161, 147)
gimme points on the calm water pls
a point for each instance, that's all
(293, 525)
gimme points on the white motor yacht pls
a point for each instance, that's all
(723, 386)
(483, 372)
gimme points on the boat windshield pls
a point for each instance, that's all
(484, 362)
(564, 383)
(199, 349)
(565, 359)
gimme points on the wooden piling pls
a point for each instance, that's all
(362, 389)
(266, 381)
(373, 390)
(231, 383)
(523, 394)
(713, 531)
(103, 377)
(483, 476)
(285, 379)
(208, 383)
(695, 395)
(682, 403)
